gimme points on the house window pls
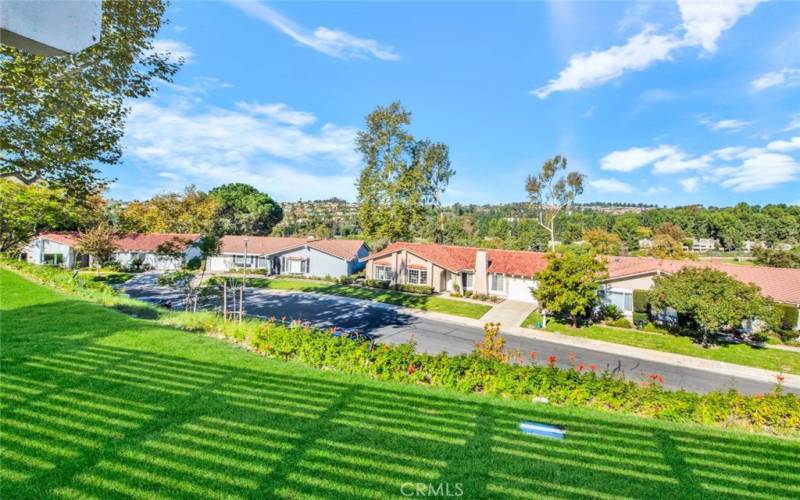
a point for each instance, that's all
(418, 276)
(466, 281)
(497, 283)
(53, 259)
(620, 298)
(383, 273)
(240, 261)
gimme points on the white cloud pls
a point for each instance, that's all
(703, 23)
(328, 41)
(784, 146)
(794, 124)
(786, 77)
(726, 125)
(176, 51)
(279, 112)
(738, 168)
(680, 162)
(211, 145)
(594, 68)
(761, 171)
(634, 158)
(690, 184)
(611, 185)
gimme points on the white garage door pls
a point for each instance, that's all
(520, 289)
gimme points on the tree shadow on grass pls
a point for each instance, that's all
(106, 421)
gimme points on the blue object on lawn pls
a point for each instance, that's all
(542, 430)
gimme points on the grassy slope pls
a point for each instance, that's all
(770, 359)
(95, 403)
(423, 302)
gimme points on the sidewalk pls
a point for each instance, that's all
(708, 365)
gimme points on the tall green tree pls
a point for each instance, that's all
(569, 284)
(192, 211)
(603, 242)
(550, 194)
(243, 209)
(402, 178)
(28, 210)
(60, 116)
(711, 300)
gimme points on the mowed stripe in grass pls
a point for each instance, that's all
(422, 302)
(98, 404)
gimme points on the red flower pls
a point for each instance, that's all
(411, 369)
(551, 360)
(655, 377)
(581, 367)
(533, 355)
(593, 367)
(780, 378)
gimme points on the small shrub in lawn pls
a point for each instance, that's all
(610, 311)
(383, 284)
(468, 293)
(620, 323)
(418, 289)
(640, 318)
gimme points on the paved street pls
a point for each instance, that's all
(392, 326)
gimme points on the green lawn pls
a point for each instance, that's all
(423, 302)
(99, 404)
(770, 359)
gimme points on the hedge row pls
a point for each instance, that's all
(578, 386)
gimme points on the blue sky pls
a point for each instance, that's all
(658, 102)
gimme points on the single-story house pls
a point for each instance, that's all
(503, 273)
(61, 249)
(509, 274)
(302, 256)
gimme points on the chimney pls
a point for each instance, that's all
(480, 282)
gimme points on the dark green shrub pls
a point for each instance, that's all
(788, 316)
(640, 298)
(194, 264)
(420, 289)
(377, 284)
(611, 312)
(640, 318)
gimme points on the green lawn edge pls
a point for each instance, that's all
(740, 354)
(421, 302)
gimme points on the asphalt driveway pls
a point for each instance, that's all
(390, 325)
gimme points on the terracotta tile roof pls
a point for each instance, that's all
(455, 258)
(268, 245)
(260, 245)
(133, 242)
(65, 238)
(149, 242)
(344, 249)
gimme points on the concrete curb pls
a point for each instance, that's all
(717, 367)
(709, 365)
